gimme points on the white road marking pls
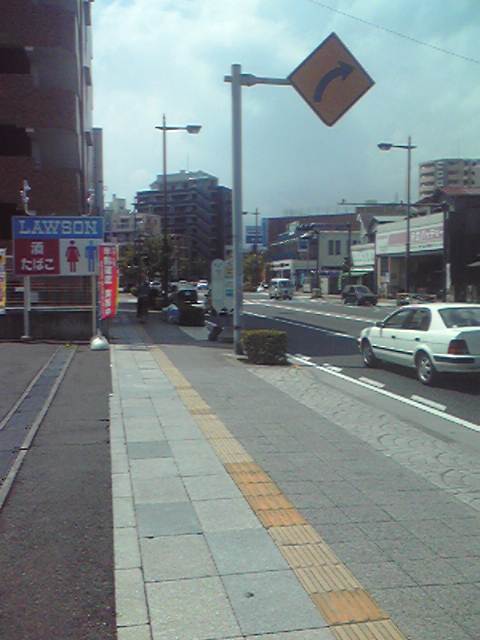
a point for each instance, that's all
(373, 383)
(313, 312)
(412, 403)
(430, 403)
(304, 326)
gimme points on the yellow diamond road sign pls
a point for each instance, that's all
(331, 80)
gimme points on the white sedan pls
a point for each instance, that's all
(432, 338)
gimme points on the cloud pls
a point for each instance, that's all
(156, 56)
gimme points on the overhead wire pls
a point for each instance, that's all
(393, 32)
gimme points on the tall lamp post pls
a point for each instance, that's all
(189, 128)
(386, 146)
(308, 236)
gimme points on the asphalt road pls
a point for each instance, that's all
(326, 332)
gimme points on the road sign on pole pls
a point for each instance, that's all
(331, 80)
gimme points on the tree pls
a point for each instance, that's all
(253, 269)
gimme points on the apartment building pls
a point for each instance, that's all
(448, 172)
(199, 210)
(46, 134)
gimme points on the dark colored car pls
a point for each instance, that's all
(358, 294)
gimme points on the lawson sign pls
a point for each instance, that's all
(56, 246)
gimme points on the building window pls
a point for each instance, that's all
(338, 247)
(14, 141)
(383, 265)
(331, 251)
(14, 60)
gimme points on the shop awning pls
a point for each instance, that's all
(361, 272)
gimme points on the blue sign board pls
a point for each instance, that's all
(57, 228)
(253, 235)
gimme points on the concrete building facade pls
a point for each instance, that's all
(448, 172)
(45, 107)
(199, 212)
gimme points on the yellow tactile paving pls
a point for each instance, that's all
(295, 535)
(383, 630)
(309, 555)
(280, 518)
(269, 503)
(244, 467)
(347, 607)
(327, 577)
(259, 489)
(212, 427)
(349, 610)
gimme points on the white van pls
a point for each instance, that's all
(280, 289)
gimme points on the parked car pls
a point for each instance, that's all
(280, 289)
(432, 338)
(182, 292)
(358, 294)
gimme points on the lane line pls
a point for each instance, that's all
(394, 396)
(303, 325)
(373, 383)
(430, 403)
(314, 312)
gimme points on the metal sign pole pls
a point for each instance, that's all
(237, 205)
(26, 308)
(93, 280)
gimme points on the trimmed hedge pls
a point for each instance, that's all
(191, 316)
(265, 346)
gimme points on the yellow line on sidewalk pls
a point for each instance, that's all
(349, 610)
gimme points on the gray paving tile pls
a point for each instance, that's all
(359, 551)
(327, 515)
(341, 532)
(125, 544)
(366, 514)
(167, 489)
(456, 597)
(407, 549)
(244, 551)
(141, 632)
(389, 530)
(150, 449)
(130, 602)
(468, 567)
(380, 575)
(225, 515)
(186, 609)
(153, 468)
(211, 487)
(432, 627)
(166, 519)
(270, 602)
(456, 547)
(199, 466)
(309, 634)
(175, 557)
(433, 572)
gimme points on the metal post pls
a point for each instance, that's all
(93, 281)
(317, 268)
(349, 253)
(237, 205)
(407, 248)
(257, 279)
(446, 263)
(26, 308)
(165, 215)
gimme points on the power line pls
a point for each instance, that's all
(393, 32)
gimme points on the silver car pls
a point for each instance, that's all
(432, 338)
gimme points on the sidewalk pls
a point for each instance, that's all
(207, 546)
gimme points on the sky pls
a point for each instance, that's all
(170, 56)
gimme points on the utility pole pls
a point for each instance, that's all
(255, 247)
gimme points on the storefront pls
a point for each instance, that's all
(363, 265)
(426, 255)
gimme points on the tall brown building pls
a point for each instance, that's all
(45, 107)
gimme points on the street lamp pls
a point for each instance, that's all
(386, 146)
(308, 236)
(189, 128)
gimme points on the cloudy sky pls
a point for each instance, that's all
(156, 56)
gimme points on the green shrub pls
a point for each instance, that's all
(191, 316)
(265, 346)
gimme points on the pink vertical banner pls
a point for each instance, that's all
(108, 280)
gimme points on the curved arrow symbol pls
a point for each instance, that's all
(342, 70)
